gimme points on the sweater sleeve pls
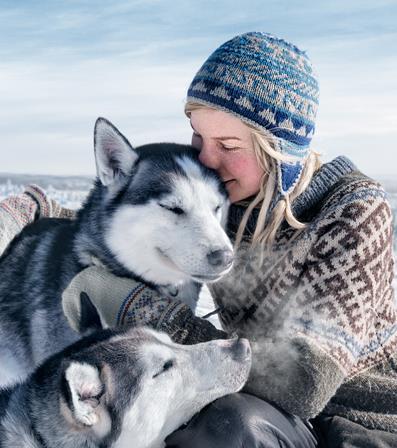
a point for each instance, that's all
(342, 311)
(295, 373)
(18, 211)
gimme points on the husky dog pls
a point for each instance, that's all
(119, 389)
(154, 214)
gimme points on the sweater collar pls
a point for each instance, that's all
(322, 182)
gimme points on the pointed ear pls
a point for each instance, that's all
(114, 154)
(82, 392)
(90, 319)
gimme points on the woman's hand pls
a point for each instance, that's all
(97, 298)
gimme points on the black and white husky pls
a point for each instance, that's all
(119, 389)
(154, 214)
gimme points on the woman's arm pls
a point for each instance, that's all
(18, 211)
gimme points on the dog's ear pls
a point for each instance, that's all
(83, 396)
(89, 318)
(114, 155)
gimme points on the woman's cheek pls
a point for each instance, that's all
(238, 166)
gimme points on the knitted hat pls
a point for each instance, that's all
(268, 83)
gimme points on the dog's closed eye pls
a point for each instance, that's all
(176, 210)
(166, 366)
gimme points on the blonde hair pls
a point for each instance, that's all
(265, 148)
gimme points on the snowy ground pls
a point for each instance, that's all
(71, 191)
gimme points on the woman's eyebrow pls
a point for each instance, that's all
(218, 138)
(227, 138)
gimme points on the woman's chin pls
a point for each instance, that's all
(233, 191)
(236, 193)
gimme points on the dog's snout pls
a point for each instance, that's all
(241, 349)
(220, 258)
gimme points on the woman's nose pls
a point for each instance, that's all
(209, 157)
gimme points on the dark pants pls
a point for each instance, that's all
(338, 432)
(243, 421)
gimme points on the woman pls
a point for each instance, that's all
(311, 284)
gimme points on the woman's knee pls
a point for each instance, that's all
(241, 420)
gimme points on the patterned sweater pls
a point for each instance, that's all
(319, 306)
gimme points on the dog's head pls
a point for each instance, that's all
(166, 212)
(135, 387)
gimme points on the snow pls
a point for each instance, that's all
(71, 191)
(206, 305)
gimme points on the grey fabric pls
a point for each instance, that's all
(242, 420)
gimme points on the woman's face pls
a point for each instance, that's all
(225, 144)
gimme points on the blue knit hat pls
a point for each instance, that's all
(268, 83)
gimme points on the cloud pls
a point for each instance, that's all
(48, 112)
(64, 63)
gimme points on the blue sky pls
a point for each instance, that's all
(63, 63)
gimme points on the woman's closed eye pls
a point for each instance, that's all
(228, 148)
(197, 141)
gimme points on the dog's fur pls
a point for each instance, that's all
(119, 389)
(154, 214)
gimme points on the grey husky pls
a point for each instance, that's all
(119, 389)
(154, 214)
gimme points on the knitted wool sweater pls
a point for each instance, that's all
(319, 307)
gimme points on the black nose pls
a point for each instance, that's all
(241, 349)
(220, 257)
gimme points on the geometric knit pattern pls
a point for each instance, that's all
(268, 83)
(15, 213)
(47, 208)
(143, 305)
(330, 286)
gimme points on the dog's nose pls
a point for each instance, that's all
(218, 258)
